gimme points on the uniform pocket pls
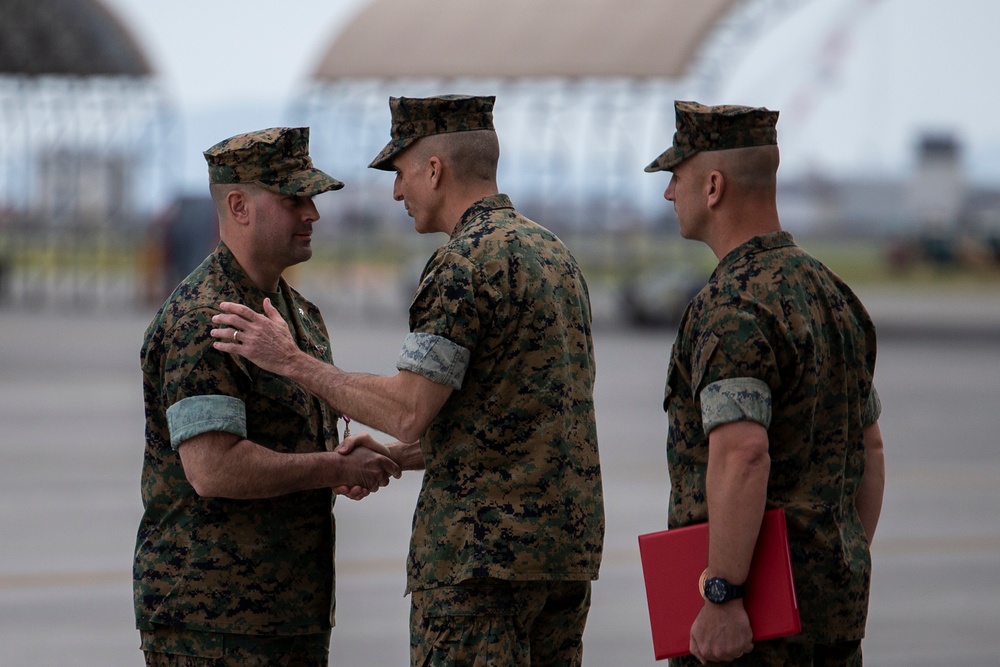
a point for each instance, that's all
(471, 625)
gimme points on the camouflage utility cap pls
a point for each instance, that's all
(416, 117)
(277, 159)
(702, 128)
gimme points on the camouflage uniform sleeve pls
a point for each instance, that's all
(733, 370)
(200, 414)
(445, 305)
(203, 389)
(436, 358)
(735, 399)
(872, 410)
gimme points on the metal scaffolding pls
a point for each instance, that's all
(84, 131)
(81, 169)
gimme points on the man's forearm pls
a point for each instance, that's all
(402, 405)
(736, 487)
(318, 378)
(389, 404)
(222, 465)
(736, 484)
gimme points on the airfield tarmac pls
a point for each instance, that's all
(71, 429)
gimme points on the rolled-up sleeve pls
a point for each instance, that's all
(434, 357)
(200, 414)
(736, 399)
(872, 409)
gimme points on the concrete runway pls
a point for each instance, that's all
(71, 447)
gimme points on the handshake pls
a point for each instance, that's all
(368, 465)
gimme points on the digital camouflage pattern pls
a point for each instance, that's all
(167, 647)
(512, 485)
(277, 159)
(704, 128)
(487, 623)
(735, 399)
(436, 358)
(416, 117)
(214, 564)
(773, 313)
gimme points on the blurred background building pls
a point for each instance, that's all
(83, 154)
(583, 90)
(93, 208)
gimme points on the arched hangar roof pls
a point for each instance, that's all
(66, 38)
(392, 39)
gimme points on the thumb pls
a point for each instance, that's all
(347, 446)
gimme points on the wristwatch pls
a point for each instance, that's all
(719, 591)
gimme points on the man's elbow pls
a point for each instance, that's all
(744, 444)
(200, 472)
(202, 489)
(753, 458)
(757, 463)
(412, 426)
(203, 484)
(753, 449)
(418, 402)
(207, 463)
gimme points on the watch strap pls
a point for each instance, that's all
(731, 591)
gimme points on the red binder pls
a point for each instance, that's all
(672, 563)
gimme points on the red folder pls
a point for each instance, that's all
(672, 563)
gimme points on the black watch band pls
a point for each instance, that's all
(719, 591)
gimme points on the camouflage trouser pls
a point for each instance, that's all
(166, 647)
(491, 623)
(780, 653)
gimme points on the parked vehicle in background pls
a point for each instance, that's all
(658, 297)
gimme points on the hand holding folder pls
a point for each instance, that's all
(672, 563)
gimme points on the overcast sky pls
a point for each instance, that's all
(855, 80)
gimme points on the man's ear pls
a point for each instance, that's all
(715, 187)
(239, 205)
(436, 167)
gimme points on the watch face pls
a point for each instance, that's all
(716, 590)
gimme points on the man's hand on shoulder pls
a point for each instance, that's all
(263, 339)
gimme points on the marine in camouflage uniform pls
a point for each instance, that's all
(509, 525)
(512, 485)
(778, 339)
(234, 580)
(511, 502)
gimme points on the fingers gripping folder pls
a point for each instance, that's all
(672, 563)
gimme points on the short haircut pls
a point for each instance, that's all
(750, 168)
(472, 155)
(219, 191)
